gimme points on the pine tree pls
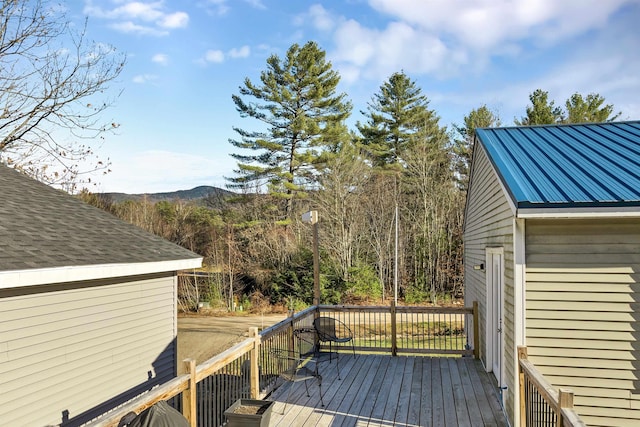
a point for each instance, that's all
(395, 115)
(481, 117)
(589, 109)
(542, 111)
(297, 101)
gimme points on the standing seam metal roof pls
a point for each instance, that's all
(578, 165)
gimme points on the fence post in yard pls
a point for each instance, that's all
(522, 354)
(255, 368)
(476, 333)
(189, 395)
(394, 339)
(565, 400)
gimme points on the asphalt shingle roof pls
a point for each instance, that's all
(41, 227)
(580, 165)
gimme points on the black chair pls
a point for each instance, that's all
(330, 330)
(294, 369)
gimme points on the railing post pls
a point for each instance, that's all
(292, 338)
(565, 400)
(394, 337)
(255, 368)
(189, 395)
(522, 354)
(476, 333)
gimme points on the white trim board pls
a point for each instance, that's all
(45, 276)
(593, 212)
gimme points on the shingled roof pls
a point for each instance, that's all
(45, 228)
(577, 166)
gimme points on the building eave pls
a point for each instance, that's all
(44, 276)
(579, 212)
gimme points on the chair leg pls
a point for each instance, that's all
(284, 410)
(320, 389)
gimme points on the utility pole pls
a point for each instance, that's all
(395, 264)
(311, 217)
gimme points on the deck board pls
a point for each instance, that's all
(378, 390)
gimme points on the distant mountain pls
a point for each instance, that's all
(197, 193)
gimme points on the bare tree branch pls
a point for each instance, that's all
(52, 81)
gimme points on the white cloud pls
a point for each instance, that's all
(257, 4)
(130, 27)
(174, 20)
(144, 78)
(217, 7)
(321, 18)
(242, 52)
(146, 18)
(444, 38)
(215, 56)
(160, 58)
(379, 53)
(489, 23)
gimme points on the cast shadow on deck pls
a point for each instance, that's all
(395, 391)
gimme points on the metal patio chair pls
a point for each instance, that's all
(330, 330)
(294, 369)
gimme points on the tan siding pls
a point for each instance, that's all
(489, 223)
(76, 348)
(582, 310)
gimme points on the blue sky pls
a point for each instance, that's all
(186, 59)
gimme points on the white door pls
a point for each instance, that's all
(495, 301)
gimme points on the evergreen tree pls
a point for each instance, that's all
(297, 101)
(542, 111)
(394, 116)
(589, 109)
(481, 117)
(579, 109)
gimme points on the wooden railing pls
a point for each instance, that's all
(280, 336)
(540, 404)
(246, 370)
(409, 329)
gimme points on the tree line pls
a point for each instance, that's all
(298, 154)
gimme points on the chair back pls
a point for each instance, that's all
(325, 327)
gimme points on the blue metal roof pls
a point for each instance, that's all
(581, 165)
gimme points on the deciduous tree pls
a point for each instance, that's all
(51, 92)
(339, 199)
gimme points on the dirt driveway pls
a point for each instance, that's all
(202, 337)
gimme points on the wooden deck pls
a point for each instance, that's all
(393, 391)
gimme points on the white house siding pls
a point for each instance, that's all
(71, 345)
(489, 223)
(583, 312)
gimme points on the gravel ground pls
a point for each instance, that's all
(201, 337)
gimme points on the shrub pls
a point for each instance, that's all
(363, 284)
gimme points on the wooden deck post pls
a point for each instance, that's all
(394, 330)
(255, 366)
(290, 334)
(522, 354)
(476, 333)
(565, 400)
(316, 265)
(189, 395)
